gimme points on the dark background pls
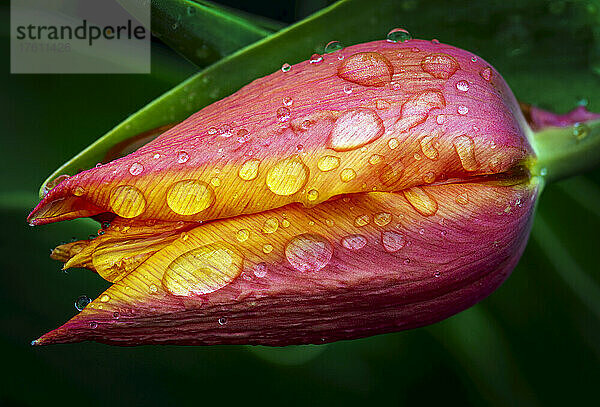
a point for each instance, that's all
(536, 341)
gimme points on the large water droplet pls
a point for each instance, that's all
(333, 46)
(428, 147)
(464, 147)
(398, 35)
(382, 218)
(203, 270)
(127, 201)
(367, 69)
(441, 66)
(347, 175)
(328, 163)
(81, 302)
(242, 235)
(136, 169)
(190, 197)
(354, 242)
(270, 226)
(416, 109)
(308, 252)
(249, 170)
(355, 128)
(419, 199)
(287, 176)
(392, 241)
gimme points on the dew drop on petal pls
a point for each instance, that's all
(260, 270)
(136, 169)
(580, 131)
(308, 252)
(421, 201)
(333, 46)
(347, 175)
(428, 147)
(286, 67)
(328, 163)
(312, 195)
(189, 197)
(462, 199)
(462, 110)
(398, 35)
(429, 177)
(315, 58)
(464, 147)
(267, 248)
(440, 119)
(393, 143)
(222, 321)
(78, 191)
(288, 176)
(367, 69)
(354, 242)
(355, 128)
(392, 241)
(127, 201)
(283, 114)
(242, 235)
(249, 169)
(362, 220)
(382, 218)
(375, 159)
(287, 101)
(441, 66)
(486, 74)
(81, 302)
(463, 86)
(270, 226)
(182, 157)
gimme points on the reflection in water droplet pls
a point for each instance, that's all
(270, 226)
(441, 66)
(354, 242)
(81, 302)
(463, 86)
(182, 157)
(189, 197)
(312, 195)
(202, 270)
(315, 59)
(419, 199)
(287, 176)
(267, 248)
(286, 67)
(462, 110)
(328, 163)
(464, 147)
(242, 235)
(283, 114)
(398, 35)
(382, 218)
(355, 128)
(428, 144)
(333, 46)
(127, 201)
(136, 169)
(249, 170)
(367, 69)
(392, 241)
(362, 220)
(308, 252)
(347, 175)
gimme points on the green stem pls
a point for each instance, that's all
(566, 151)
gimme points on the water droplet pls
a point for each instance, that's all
(260, 270)
(156, 156)
(312, 195)
(212, 131)
(440, 119)
(104, 298)
(392, 241)
(305, 124)
(362, 220)
(429, 177)
(473, 59)
(286, 67)
(249, 170)
(328, 163)
(421, 201)
(182, 157)
(202, 270)
(191, 11)
(486, 74)
(354, 242)
(81, 302)
(398, 35)
(315, 59)
(153, 288)
(308, 252)
(367, 69)
(222, 321)
(215, 182)
(441, 66)
(285, 223)
(242, 235)
(462, 198)
(78, 191)
(329, 222)
(580, 131)
(347, 175)
(288, 176)
(270, 226)
(462, 110)
(127, 201)
(93, 325)
(463, 86)
(355, 128)
(136, 169)
(267, 248)
(435, 41)
(283, 114)
(375, 159)
(189, 197)
(437, 274)
(333, 46)
(544, 172)
(464, 147)
(428, 147)
(347, 89)
(382, 218)
(416, 109)
(393, 143)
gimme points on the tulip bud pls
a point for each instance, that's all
(381, 187)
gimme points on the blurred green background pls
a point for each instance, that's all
(536, 341)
